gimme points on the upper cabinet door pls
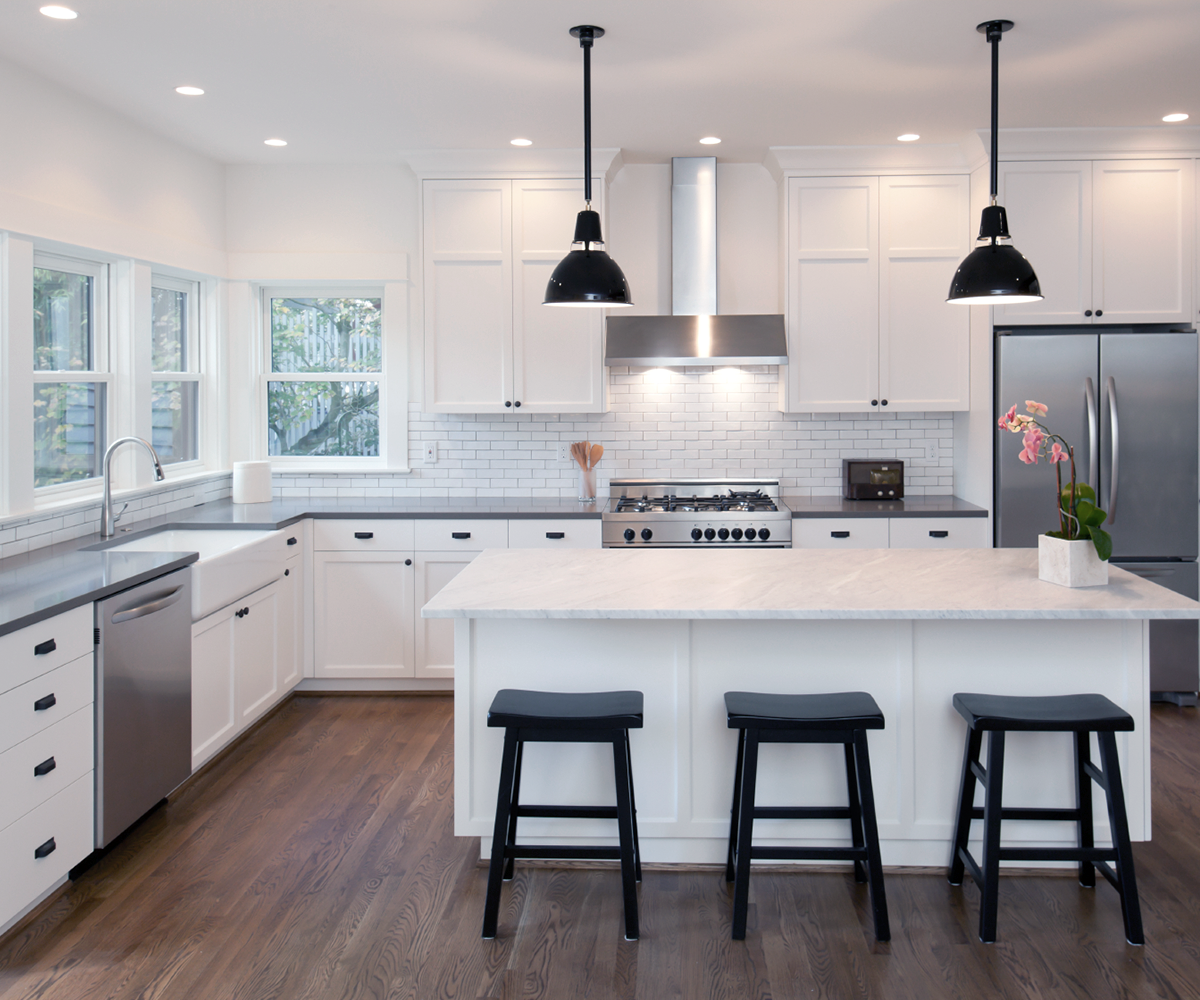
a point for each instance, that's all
(924, 343)
(833, 294)
(1144, 229)
(557, 353)
(467, 253)
(1049, 209)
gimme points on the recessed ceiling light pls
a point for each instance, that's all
(521, 142)
(189, 91)
(1180, 117)
(275, 142)
(709, 140)
(59, 13)
(908, 137)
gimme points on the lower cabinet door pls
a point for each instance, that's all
(291, 624)
(840, 532)
(363, 614)
(256, 646)
(940, 533)
(435, 636)
(214, 719)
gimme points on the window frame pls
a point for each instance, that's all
(195, 345)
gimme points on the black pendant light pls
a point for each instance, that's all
(994, 274)
(587, 276)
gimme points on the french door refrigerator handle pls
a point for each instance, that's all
(1093, 432)
(1110, 386)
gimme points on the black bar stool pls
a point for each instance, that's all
(804, 718)
(1081, 714)
(550, 717)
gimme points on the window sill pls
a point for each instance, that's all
(279, 468)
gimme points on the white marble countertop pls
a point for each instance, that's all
(787, 583)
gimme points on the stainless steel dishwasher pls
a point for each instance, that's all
(143, 699)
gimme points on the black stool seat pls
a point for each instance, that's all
(843, 718)
(555, 710)
(1082, 715)
(1064, 713)
(559, 717)
(843, 710)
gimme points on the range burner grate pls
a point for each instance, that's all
(744, 500)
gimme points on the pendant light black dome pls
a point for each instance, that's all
(587, 276)
(994, 274)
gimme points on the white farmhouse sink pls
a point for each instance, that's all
(232, 563)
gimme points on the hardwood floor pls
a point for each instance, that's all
(317, 861)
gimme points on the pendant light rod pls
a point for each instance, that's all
(993, 30)
(587, 33)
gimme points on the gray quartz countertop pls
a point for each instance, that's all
(936, 506)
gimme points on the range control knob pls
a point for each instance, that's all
(764, 534)
(697, 534)
(629, 534)
(647, 534)
(723, 534)
(750, 533)
(737, 534)
(709, 534)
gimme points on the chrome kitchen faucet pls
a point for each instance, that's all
(107, 520)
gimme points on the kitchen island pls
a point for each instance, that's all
(909, 626)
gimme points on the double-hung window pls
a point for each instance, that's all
(175, 369)
(71, 374)
(325, 373)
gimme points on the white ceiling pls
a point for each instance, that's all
(362, 81)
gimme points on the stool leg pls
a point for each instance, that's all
(1119, 823)
(870, 831)
(745, 835)
(512, 816)
(989, 900)
(625, 832)
(637, 848)
(1083, 802)
(856, 834)
(966, 802)
(491, 907)
(735, 809)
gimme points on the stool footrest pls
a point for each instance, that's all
(809, 853)
(802, 812)
(1016, 812)
(567, 812)
(563, 853)
(1092, 854)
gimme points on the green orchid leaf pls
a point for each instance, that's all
(1082, 492)
(1089, 514)
(1102, 540)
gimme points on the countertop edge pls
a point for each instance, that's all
(817, 614)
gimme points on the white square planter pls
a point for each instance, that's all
(1070, 564)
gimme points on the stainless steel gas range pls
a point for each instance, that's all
(690, 513)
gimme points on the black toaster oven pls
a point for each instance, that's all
(872, 479)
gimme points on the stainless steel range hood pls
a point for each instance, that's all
(694, 334)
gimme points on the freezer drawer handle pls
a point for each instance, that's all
(939, 534)
(128, 612)
(44, 703)
(49, 847)
(460, 534)
(45, 767)
(556, 534)
(839, 534)
(49, 646)
(364, 534)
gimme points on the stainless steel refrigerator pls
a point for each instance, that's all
(1126, 399)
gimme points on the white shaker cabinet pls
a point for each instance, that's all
(869, 262)
(1111, 241)
(891, 532)
(489, 247)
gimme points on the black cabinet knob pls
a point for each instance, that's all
(1087, 312)
(287, 572)
(1099, 312)
(508, 402)
(874, 402)
(883, 402)
(292, 541)
(407, 562)
(517, 403)
(764, 534)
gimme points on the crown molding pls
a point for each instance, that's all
(929, 158)
(1095, 143)
(511, 162)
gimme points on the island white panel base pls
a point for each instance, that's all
(683, 760)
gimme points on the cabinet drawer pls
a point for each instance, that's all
(60, 693)
(840, 532)
(447, 535)
(45, 764)
(61, 639)
(939, 533)
(568, 533)
(61, 830)
(362, 536)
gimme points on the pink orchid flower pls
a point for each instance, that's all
(1058, 453)
(1006, 421)
(1028, 457)
(1033, 439)
(1040, 409)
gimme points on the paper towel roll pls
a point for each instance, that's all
(251, 482)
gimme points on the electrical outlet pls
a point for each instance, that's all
(431, 453)
(931, 450)
(564, 452)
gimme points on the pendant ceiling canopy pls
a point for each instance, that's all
(996, 273)
(587, 275)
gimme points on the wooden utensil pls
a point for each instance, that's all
(596, 455)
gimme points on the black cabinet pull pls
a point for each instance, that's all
(460, 534)
(874, 402)
(556, 534)
(49, 847)
(364, 534)
(1087, 312)
(44, 703)
(292, 541)
(42, 648)
(407, 562)
(883, 402)
(1099, 312)
(45, 767)
(287, 572)
(517, 403)
(241, 612)
(508, 402)
(939, 534)
(839, 534)
(245, 611)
